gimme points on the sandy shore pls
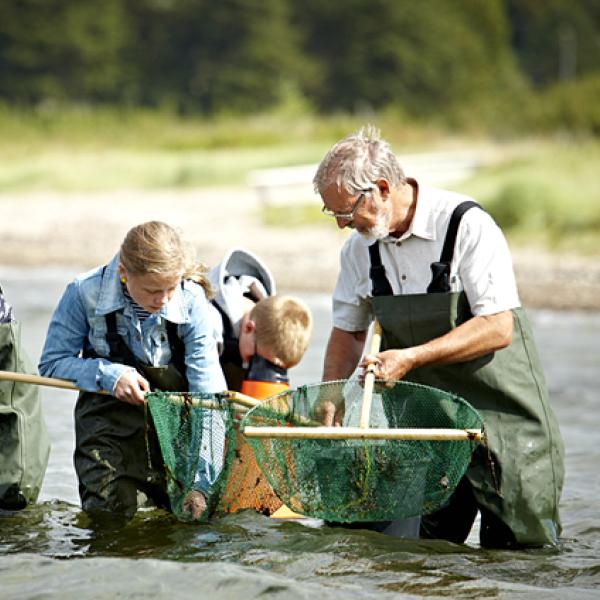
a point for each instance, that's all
(85, 229)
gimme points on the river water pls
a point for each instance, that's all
(47, 551)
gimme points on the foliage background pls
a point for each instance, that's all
(474, 63)
(106, 94)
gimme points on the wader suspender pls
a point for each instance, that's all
(380, 284)
(120, 351)
(440, 281)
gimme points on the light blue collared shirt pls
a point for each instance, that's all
(79, 324)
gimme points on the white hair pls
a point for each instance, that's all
(356, 162)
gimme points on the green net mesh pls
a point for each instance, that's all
(247, 486)
(197, 440)
(345, 480)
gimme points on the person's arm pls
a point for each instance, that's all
(61, 356)
(203, 369)
(344, 350)
(474, 338)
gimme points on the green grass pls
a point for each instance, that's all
(295, 215)
(78, 148)
(543, 192)
(104, 169)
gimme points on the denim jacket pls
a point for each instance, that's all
(79, 323)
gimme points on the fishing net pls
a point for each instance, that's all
(247, 487)
(345, 480)
(196, 436)
(200, 434)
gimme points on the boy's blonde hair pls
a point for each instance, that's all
(283, 324)
(155, 247)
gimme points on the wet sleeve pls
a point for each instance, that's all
(61, 355)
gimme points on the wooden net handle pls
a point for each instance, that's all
(235, 397)
(365, 409)
(38, 380)
(361, 433)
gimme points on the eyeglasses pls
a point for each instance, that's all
(349, 215)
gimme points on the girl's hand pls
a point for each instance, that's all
(194, 503)
(131, 387)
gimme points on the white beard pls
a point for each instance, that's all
(379, 231)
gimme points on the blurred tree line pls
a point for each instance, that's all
(504, 61)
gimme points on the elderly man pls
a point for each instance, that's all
(435, 270)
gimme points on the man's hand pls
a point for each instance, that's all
(194, 504)
(475, 337)
(131, 387)
(389, 365)
(329, 407)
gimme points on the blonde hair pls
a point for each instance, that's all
(284, 325)
(155, 247)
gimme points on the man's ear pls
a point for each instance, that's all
(121, 270)
(384, 187)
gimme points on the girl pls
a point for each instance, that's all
(138, 323)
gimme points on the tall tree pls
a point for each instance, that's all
(555, 40)
(427, 55)
(215, 56)
(62, 49)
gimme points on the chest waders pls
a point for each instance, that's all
(24, 441)
(515, 480)
(117, 452)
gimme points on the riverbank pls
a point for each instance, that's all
(85, 229)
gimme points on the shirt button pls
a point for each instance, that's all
(398, 243)
(403, 277)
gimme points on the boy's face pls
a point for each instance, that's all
(248, 346)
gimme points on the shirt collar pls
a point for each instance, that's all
(422, 224)
(111, 296)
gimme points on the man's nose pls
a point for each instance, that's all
(341, 222)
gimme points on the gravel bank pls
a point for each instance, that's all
(85, 229)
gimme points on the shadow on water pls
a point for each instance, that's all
(54, 541)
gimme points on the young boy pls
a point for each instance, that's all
(252, 323)
(259, 335)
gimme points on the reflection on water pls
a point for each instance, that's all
(51, 550)
(281, 558)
